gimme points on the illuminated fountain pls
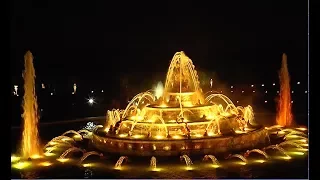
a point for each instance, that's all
(157, 122)
(284, 115)
(177, 120)
(30, 135)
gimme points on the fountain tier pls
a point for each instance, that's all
(179, 112)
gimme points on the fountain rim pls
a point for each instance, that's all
(257, 129)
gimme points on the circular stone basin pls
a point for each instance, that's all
(142, 146)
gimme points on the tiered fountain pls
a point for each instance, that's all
(179, 119)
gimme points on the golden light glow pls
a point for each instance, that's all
(302, 129)
(63, 160)
(286, 157)
(138, 136)
(77, 136)
(21, 165)
(188, 168)
(240, 163)
(297, 153)
(51, 148)
(123, 135)
(159, 90)
(156, 169)
(259, 161)
(88, 165)
(176, 137)
(30, 134)
(216, 166)
(15, 158)
(36, 156)
(45, 164)
(159, 137)
(284, 115)
(48, 154)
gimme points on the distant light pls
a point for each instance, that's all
(231, 91)
(237, 101)
(266, 92)
(72, 93)
(231, 87)
(265, 101)
(91, 91)
(253, 91)
(51, 94)
(298, 82)
(273, 84)
(306, 92)
(291, 102)
(252, 85)
(242, 91)
(262, 85)
(101, 90)
(15, 92)
(292, 92)
(43, 86)
(90, 101)
(278, 92)
(220, 91)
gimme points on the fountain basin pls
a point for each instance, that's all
(174, 147)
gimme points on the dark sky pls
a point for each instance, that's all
(95, 42)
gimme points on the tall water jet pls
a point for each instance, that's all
(284, 114)
(30, 135)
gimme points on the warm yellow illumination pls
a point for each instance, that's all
(15, 158)
(176, 137)
(189, 168)
(77, 136)
(52, 143)
(159, 137)
(21, 165)
(286, 157)
(48, 154)
(198, 135)
(36, 156)
(62, 160)
(301, 129)
(159, 90)
(156, 169)
(137, 136)
(45, 164)
(216, 166)
(87, 165)
(123, 135)
(30, 134)
(297, 153)
(259, 161)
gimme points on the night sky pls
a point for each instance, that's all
(97, 43)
